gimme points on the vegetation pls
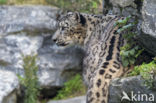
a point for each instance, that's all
(72, 88)
(12, 2)
(30, 81)
(88, 6)
(147, 71)
(129, 54)
(131, 50)
(3, 1)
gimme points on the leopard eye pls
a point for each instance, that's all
(63, 27)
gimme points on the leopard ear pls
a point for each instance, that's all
(77, 16)
(80, 18)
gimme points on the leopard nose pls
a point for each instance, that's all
(55, 40)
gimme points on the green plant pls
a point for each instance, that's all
(131, 50)
(147, 71)
(122, 22)
(129, 54)
(73, 87)
(3, 1)
(30, 81)
(88, 6)
(20, 2)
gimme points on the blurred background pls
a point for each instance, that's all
(93, 6)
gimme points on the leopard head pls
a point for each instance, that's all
(71, 29)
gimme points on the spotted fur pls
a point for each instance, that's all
(98, 36)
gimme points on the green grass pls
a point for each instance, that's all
(20, 2)
(147, 71)
(72, 88)
(131, 51)
(3, 1)
(30, 81)
(88, 6)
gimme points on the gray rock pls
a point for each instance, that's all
(145, 12)
(148, 37)
(81, 99)
(117, 88)
(129, 85)
(123, 3)
(27, 18)
(58, 63)
(20, 31)
(149, 17)
(9, 86)
(124, 7)
(12, 47)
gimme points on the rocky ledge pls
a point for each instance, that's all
(81, 99)
(28, 30)
(9, 87)
(130, 90)
(123, 90)
(144, 11)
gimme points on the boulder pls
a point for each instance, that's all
(30, 19)
(148, 35)
(122, 7)
(54, 62)
(81, 99)
(12, 47)
(28, 30)
(131, 88)
(57, 64)
(9, 86)
(149, 17)
(144, 11)
(123, 3)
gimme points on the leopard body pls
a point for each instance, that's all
(101, 42)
